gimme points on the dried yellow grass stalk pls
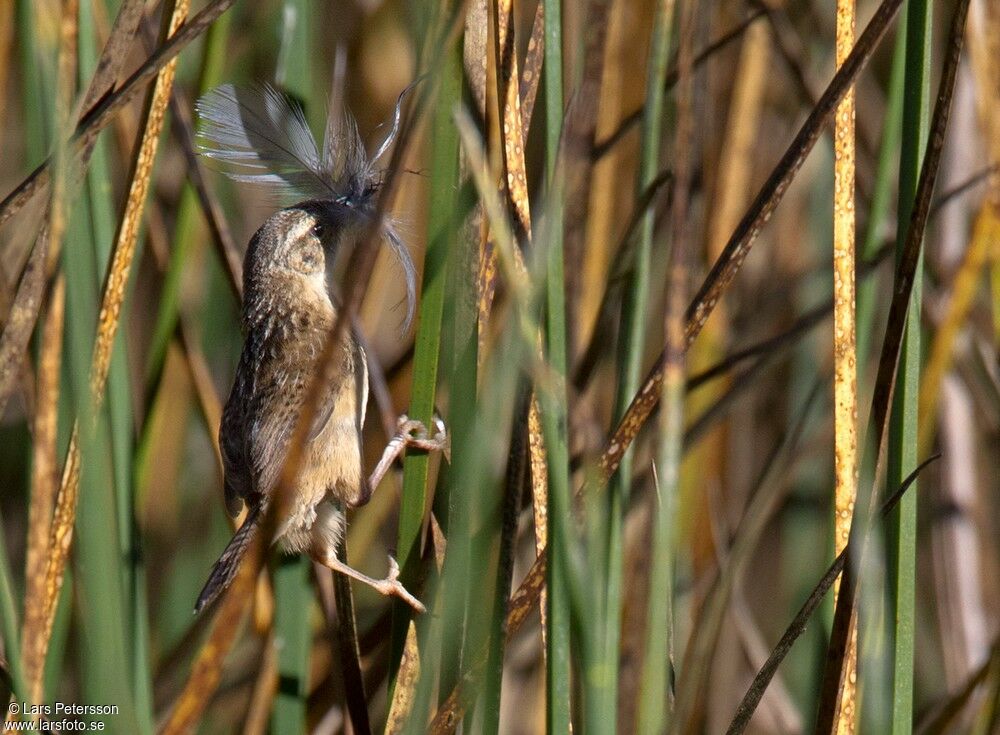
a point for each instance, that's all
(612, 188)
(40, 607)
(41, 611)
(845, 388)
(514, 126)
(985, 241)
(207, 670)
(61, 537)
(984, 48)
(264, 689)
(514, 121)
(734, 184)
(539, 483)
(406, 684)
(128, 230)
(984, 53)
(44, 477)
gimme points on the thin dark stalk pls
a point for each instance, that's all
(103, 109)
(979, 177)
(222, 236)
(724, 271)
(748, 705)
(624, 265)
(766, 494)
(603, 147)
(742, 239)
(350, 655)
(885, 383)
(517, 466)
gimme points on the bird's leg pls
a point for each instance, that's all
(390, 586)
(409, 433)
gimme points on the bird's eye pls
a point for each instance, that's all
(318, 230)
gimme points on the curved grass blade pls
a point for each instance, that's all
(656, 703)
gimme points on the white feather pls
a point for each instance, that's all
(259, 135)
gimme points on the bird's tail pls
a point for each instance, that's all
(225, 568)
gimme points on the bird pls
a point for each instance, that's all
(289, 310)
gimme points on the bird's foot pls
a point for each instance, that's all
(391, 586)
(416, 435)
(410, 433)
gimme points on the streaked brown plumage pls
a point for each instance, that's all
(288, 314)
(260, 136)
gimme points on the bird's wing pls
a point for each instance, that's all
(274, 411)
(355, 363)
(281, 385)
(232, 443)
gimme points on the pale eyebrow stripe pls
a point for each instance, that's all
(301, 228)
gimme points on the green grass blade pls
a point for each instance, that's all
(10, 626)
(902, 456)
(878, 208)
(465, 513)
(603, 693)
(292, 637)
(552, 400)
(441, 226)
(99, 198)
(37, 64)
(875, 676)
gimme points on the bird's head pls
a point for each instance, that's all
(294, 249)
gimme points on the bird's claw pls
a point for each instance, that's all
(392, 586)
(409, 433)
(416, 435)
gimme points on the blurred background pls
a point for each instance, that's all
(592, 171)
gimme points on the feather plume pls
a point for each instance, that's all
(260, 136)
